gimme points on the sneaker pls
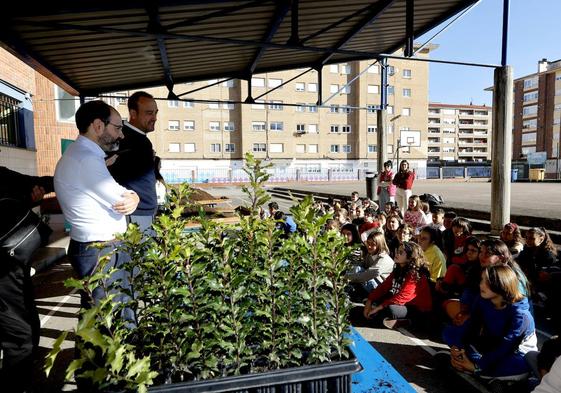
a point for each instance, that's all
(442, 360)
(396, 323)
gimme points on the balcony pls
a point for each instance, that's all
(434, 140)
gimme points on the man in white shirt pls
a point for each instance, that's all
(91, 200)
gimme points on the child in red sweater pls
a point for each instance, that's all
(405, 291)
(462, 230)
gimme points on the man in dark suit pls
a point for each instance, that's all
(134, 167)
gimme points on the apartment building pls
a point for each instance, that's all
(460, 133)
(340, 136)
(537, 114)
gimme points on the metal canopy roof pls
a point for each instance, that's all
(93, 47)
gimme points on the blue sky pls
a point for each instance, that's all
(534, 33)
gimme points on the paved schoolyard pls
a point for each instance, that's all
(533, 199)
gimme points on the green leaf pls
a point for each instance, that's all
(52, 355)
(72, 367)
(92, 336)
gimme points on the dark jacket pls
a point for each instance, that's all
(19, 186)
(134, 170)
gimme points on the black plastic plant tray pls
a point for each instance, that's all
(334, 377)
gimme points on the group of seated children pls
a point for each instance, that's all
(417, 268)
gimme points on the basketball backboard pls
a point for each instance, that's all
(410, 138)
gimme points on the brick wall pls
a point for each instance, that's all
(48, 131)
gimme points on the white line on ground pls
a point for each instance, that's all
(545, 334)
(476, 384)
(57, 307)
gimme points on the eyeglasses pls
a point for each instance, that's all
(118, 127)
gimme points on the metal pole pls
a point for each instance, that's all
(502, 148)
(382, 139)
(506, 7)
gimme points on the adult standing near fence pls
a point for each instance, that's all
(386, 189)
(134, 169)
(404, 181)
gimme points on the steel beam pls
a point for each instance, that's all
(155, 27)
(409, 27)
(294, 23)
(504, 51)
(204, 87)
(215, 14)
(369, 18)
(280, 13)
(384, 84)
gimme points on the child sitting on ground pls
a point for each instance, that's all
(437, 219)
(404, 234)
(390, 229)
(405, 293)
(433, 255)
(448, 234)
(462, 230)
(512, 237)
(376, 266)
(370, 223)
(501, 330)
(414, 216)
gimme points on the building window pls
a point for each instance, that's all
(189, 147)
(228, 84)
(334, 68)
(11, 127)
(373, 70)
(346, 109)
(334, 108)
(300, 148)
(229, 147)
(66, 106)
(334, 149)
(391, 90)
(532, 123)
(259, 147)
(214, 105)
(346, 148)
(346, 89)
(300, 86)
(333, 88)
(258, 104)
(312, 108)
(346, 129)
(189, 125)
(449, 140)
(529, 137)
(258, 125)
(391, 70)
(345, 69)
(334, 129)
(406, 111)
(529, 83)
(228, 106)
(174, 147)
(406, 92)
(371, 108)
(276, 147)
(313, 128)
(215, 148)
(406, 73)
(390, 149)
(173, 104)
(312, 148)
(389, 109)
(312, 87)
(257, 82)
(173, 125)
(301, 107)
(530, 110)
(229, 126)
(372, 128)
(188, 104)
(530, 96)
(274, 82)
(372, 149)
(276, 106)
(277, 126)
(373, 89)
(529, 149)
(300, 128)
(214, 125)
